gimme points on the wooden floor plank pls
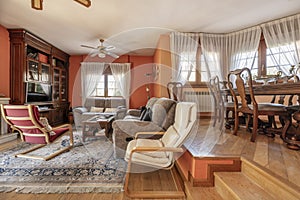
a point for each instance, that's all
(239, 145)
(147, 180)
(249, 150)
(292, 164)
(155, 179)
(261, 152)
(167, 181)
(276, 161)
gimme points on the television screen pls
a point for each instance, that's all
(38, 92)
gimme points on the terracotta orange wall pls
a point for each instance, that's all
(74, 80)
(140, 66)
(4, 62)
(162, 58)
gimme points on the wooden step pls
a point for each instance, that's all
(235, 185)
(254, 182)
(271, 182)
(196, 193)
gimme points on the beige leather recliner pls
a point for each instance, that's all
(160, 153)
(163, 113)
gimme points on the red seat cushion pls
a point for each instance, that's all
(58, 132)
(27, 125)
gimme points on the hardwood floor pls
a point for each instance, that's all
(270, 153)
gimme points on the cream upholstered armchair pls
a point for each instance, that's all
(160, 153)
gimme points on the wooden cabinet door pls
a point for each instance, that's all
(33, 70)
(45, 73)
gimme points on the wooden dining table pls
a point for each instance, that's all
(292, 135)
(290, 88)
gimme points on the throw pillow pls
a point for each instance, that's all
(110, 110)
(143, 112)
(96, 109)
(148, 115)
(46, 125)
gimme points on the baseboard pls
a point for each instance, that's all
(8, 137)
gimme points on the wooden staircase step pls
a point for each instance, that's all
(272, 183)
(196, 193)
(235, 185)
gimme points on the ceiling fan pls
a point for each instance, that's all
(102, 50)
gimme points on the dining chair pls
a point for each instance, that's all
(175, 91)
(229, 106)
(242, 80)
(281, 98)
(25, 120)
(219, 103)
(160, 153)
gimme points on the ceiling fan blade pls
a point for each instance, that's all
(94, 54)
(88, 47)
(112, 54)
(108, 48)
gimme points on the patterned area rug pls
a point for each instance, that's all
(88, 167)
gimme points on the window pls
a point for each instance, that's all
(249, 60)
(107, 85)
(265, 61)
(279, 59)
(188, 65)
(100, 88)
(213, 68)
(112, 89)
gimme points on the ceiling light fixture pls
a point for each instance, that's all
(101, 55)
(86, 3)
(37, 4)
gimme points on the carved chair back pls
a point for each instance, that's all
(175, 90)
(242, 79)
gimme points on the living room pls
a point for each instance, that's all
(71, 31)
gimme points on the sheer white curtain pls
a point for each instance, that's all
(122, 75)
(242, 48)
(183, 47)
(90, 75)
(213, 47)
(283, 40)
(225, 52)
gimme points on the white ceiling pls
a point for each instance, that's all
(135, 25)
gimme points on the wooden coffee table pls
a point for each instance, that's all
(93, 125)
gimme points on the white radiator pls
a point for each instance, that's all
(203, 99)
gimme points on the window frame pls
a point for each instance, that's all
(107, 72)
(197, 82)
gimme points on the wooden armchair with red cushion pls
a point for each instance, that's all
(25, 119)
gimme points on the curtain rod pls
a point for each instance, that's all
(260, 24)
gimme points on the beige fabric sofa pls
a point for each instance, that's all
(96, 105)
(163, 113)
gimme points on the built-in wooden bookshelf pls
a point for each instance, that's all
(41, 65)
